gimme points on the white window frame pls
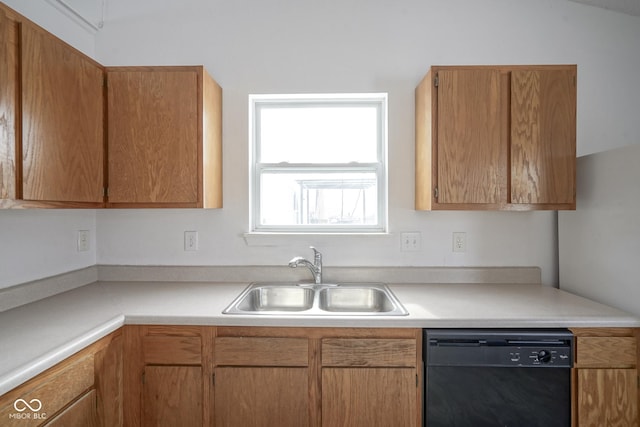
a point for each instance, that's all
(379, 100)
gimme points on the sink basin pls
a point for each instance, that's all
(304, 299)
(358, 299)
(277, 298)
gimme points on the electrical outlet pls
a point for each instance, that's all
(83, 240)
(410, 242)
(459, 241)
(190, 240)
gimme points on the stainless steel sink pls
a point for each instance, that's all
(356, 299)
(277, 298)
(301, 299)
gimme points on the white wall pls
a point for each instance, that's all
(38, 243)
(253, 46)
(599, 243)
(345, 46)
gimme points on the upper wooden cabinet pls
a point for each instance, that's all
(52, 109)
(8, 106)
(62, 121)
(496, 138)
(164, 137)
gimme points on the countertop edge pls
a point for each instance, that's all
(36, 366)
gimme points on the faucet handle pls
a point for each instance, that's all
(315, 251)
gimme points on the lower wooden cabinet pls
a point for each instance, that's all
(172, 396)
(258, 376)
(371, 381)
(84, 390)
(261, 396)
(606, 377)
(82, 412)
(166, 371)
(261, 380)
(368, 397)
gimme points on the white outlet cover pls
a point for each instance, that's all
(190, 240)
(84, 240)
(459, 241)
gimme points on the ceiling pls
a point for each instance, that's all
(630, 7)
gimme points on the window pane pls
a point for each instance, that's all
(318, 134)
(318, 199)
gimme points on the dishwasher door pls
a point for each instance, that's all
(507, 378)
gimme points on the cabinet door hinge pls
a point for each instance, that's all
(213, 378)
(436, 80)
(435, 192)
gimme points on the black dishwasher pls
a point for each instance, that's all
(497, 377)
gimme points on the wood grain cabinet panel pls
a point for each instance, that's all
(164, 137)
(368, 352)
(169, 350)
(371, 381)
(607, 397)
(167, 375)
(261, 351)
(598, 352)
(369, 397)
(606, 377)
(543, 136)
(80, 413)
(51, 119)
(62, 121)
(472, 150)
(261, 396)
(8, 106)
(172, 396)
(496, 138)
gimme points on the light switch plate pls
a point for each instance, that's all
(410, 242)
(83, 241)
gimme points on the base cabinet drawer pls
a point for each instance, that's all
(80, 413)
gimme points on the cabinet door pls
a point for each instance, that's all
(543, 136)
(8, 106)
(471, 138)
(369, 397)
(164, 371)
(261, 396)
(607, 397)
(80, 413)
(153, 136)
(62, 121)
(172, 396)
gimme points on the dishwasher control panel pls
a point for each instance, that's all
(529, 348)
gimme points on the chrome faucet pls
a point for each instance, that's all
(315, 267)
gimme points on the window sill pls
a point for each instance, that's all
(280, 238)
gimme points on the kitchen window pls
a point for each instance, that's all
(318, 163)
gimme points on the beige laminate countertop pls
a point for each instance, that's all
(36, 336)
